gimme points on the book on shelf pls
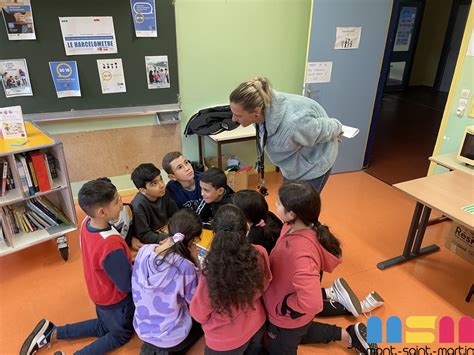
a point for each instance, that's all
(38, 161)
(4, 166)
(52, 165)
(29, 181)
(10, 181)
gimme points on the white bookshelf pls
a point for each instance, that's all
(59, 194)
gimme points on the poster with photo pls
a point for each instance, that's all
(11, 119)
(18, 19)
(88, 35)
(144, 17)
(15, 78)
(157, 72)
(111, 75)
(65, 78)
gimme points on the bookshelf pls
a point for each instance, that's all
(36, 201)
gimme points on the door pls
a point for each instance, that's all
(350, 93)
(404, 44)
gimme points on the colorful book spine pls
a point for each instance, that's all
(39, 165)
(56, 211)
(29, 181)
(4, 177)
(40, 213)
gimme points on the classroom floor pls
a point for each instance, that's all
(406, 132)
(370, 217)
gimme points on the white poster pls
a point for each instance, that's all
(144, 17)
(111, 75)
(347, 37)
(88, 35)
(157, 72)
(18, 19)
(13, 125)
(15, 78)
(470, 46)
(318, 72)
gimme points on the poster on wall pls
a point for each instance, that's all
(157, 72)
(66, 78)
(144, 17)
(405, 29)
(347, 37)
(88, 35)
(318, 72)
(12, 122)
(15, 78)
(18, 19)
(111, 75)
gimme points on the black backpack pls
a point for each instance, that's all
(210, 121)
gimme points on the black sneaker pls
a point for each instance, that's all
(39, 337)
(358, 333)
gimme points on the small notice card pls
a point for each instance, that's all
(12, 122)
(349, 132)
(318, 72)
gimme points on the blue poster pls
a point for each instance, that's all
(144, 17)
(65, 78)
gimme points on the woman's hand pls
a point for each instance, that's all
(136, 244)
(340, 137)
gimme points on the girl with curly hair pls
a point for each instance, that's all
(304, 249)
(164, 280)
(228, 298)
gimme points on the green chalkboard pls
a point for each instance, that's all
(132, 50)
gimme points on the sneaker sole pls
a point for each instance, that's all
(377, 297)
(361, 338)
(30, 342)
(356, 308)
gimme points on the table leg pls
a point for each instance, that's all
(412, 248)
(219, 155)
(470, 293)
(201, 157)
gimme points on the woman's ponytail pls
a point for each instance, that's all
(253, 93)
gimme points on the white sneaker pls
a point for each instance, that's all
(341, 292)
(371, 302)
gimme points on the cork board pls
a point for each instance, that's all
(118, 151)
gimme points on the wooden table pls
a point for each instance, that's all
(448, 193)
(449, 161)
(239, 134)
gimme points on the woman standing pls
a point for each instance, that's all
(295, 131)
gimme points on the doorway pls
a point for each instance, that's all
(420, 56)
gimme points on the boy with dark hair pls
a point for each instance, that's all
(151, 206)
(215, 191)
(183, 186)
(107, 270)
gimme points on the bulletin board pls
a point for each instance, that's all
(49, 46)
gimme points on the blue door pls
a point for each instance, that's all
(350, 94)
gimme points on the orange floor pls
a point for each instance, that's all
(370, 217)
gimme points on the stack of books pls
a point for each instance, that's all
(37, 169)
(7, 182)
(34, 214)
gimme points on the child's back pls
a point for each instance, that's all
(159, 286)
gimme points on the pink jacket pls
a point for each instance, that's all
(221, 332)
(296, 261)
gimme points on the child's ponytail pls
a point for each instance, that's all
(327, 239)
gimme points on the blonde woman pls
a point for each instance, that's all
(295, 131)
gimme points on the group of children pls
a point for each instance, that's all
(262, 274)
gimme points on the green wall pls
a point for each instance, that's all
(430, 42)
(452, 127)
(224, 42)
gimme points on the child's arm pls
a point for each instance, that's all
(200, 307)
(171, 206)
(305, 280)
(118, 268)
(190, 283)
(143, 230)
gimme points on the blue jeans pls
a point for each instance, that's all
(318, 182)
(113, 327)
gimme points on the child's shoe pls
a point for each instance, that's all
(39, 337)
(371, 302)
(341, 292)
(358, 333)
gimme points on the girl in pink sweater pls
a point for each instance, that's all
(303, 250)
(228, 301)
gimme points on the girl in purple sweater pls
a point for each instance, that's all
(164, 280)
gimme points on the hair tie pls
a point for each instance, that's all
(178, 237)
(261, 223)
